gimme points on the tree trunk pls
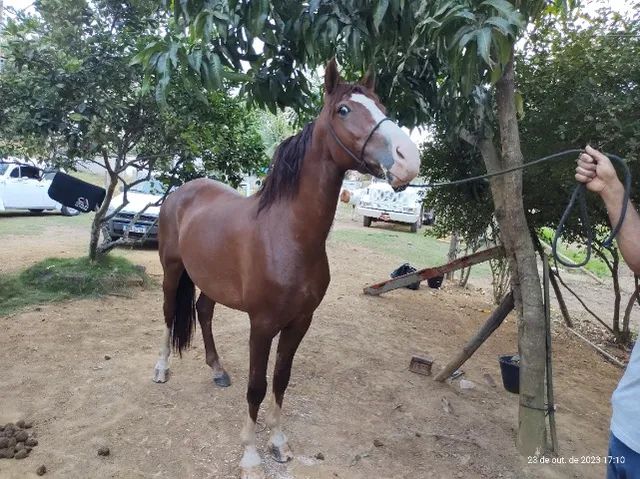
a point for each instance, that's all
(625, 335)
(96, 225)
(464, 277)
(453, 253)
(525, 281)
(615, 267)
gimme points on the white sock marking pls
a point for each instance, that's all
(250, 458)
(165, 351)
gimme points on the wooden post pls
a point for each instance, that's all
(547, 318)
(495, 320)
(427, 273)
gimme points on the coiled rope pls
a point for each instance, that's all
(578, 195)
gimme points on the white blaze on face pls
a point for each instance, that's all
(402, 151)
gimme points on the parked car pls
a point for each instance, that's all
(142, 194)
(25, 187)
(379, 202)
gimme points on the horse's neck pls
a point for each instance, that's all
(315, 204)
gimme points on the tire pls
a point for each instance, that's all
(428, 218)
(418, 224)
(36, 211)
(366, 221)
(66, 211)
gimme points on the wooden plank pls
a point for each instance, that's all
(495, 320)
(427, 273)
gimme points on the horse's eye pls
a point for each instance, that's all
(343, 110)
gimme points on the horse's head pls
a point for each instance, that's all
(363, 138)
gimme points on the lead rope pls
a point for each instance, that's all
(577, 195)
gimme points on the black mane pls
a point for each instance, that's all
(284, 171)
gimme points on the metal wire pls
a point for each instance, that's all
(577, 195)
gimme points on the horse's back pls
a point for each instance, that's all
(187, 204)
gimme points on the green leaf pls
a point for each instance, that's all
(501, 6)
(501, 24)
(138, 58)
(464, 39)
(483, 39)
(173, 54)
(519, 104)
(313, 7)
(77, 117)
(195, 59)
(332, 29)
(213, 72)
(378, 13)
(465, 14)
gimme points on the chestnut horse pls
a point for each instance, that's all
(266, 254)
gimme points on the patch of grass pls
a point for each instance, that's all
(56, 279)
(415, 248)
(595, 264)
(27, 224)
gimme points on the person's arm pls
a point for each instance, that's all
(596, 171)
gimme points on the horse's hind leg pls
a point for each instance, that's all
(290, 338)
(172, 272)
(204, 307)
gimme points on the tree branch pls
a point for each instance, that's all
(557, 275)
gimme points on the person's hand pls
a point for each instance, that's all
(596, 171)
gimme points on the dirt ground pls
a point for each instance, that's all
(350, 384)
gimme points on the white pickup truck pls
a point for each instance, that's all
(378, 202)
(26, 187)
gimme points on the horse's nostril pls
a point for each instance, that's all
(399, 153)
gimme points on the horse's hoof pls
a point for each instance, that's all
(223, 380)
(281, 453)
(160, 375)
(255, 472)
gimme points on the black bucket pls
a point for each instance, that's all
(406, 269)
(510, 369)
(436, 282)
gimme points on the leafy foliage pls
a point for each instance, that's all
(580, 85)
(68, 93)
(415, 47)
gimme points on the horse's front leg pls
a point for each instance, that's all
(259, 345)
(290, 339)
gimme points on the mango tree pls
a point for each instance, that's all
(450, 58)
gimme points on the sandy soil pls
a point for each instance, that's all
(350, 385)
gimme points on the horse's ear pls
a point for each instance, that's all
(331, 76)
(369, 79)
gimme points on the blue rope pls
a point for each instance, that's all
(577, 195)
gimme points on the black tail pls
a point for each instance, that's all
(184, 321)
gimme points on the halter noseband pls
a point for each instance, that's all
(360, 160)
